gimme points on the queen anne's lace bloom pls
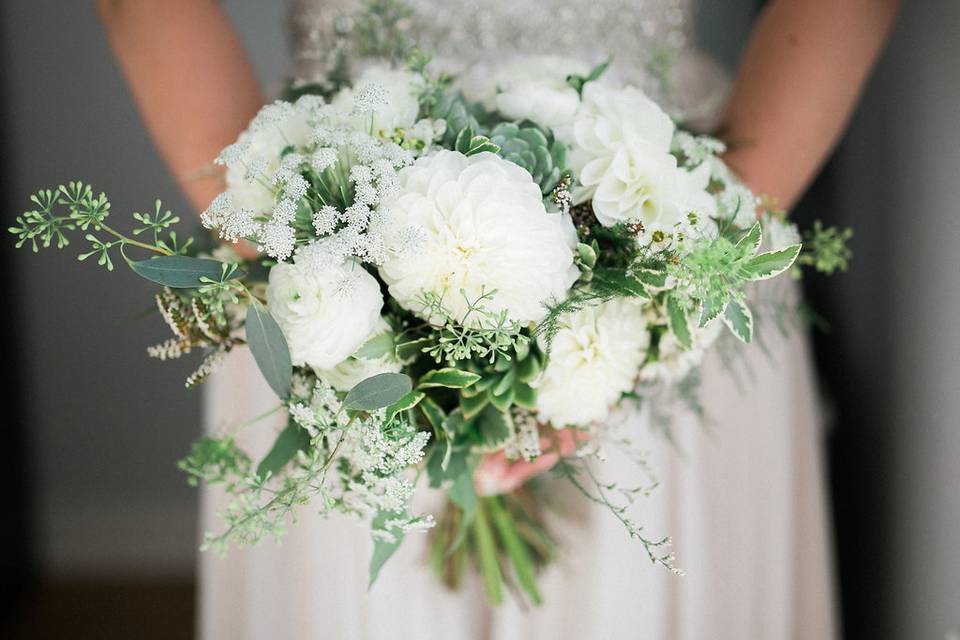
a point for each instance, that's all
(254, 159)
(594, 359)
(388, 99)
(484, 230)
(325, 314)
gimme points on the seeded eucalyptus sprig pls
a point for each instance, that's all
(87, 212)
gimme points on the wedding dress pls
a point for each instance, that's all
(740, 492)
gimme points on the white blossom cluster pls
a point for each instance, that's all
(373, 456)
(309, 170)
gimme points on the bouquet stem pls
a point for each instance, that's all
(504, 537)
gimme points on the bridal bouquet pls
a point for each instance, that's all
(447, 272)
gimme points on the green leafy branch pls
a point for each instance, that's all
(478, 333)
(825, 249)
(44, 226)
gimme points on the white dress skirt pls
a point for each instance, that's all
(742, 497)
(742, 494)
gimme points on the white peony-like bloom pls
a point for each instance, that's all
(529, 88)
(354, 370)
(250, 172)
(652, 189)
(391, 95)
(325, 314)
(482, 228)
(595, 358)
(620, 148)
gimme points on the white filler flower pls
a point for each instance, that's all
(620, 149)
(325, 314)
(350, 372)
(391, 97)
(255, 157)
(482, 228)
(594, 359)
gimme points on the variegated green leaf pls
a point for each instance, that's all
(739, 320)
(447, 377)
(770, 263)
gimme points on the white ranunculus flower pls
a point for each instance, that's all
(530, 88)
(248, 175)
(325, 314)
(620, 148)
(650, 188)
(392, 95)
(595, 358)
(610, 119)
(354, 370)
(482, 227)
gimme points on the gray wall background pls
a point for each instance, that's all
(104, 424)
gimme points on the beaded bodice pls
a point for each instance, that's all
(649, 40)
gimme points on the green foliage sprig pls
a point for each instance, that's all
(479, 333)
(825, 248)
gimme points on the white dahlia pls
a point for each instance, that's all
(595, 358)
(482, 228)
(355, 369)
(620, 148)
(325, 314)
(390, 96)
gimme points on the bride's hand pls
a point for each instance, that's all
(496, 474)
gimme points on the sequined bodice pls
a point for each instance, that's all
(646, 38)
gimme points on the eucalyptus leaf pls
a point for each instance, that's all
(180, 272)
(269, 348)
(292, 439)
(377, 392)
(376, 347)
